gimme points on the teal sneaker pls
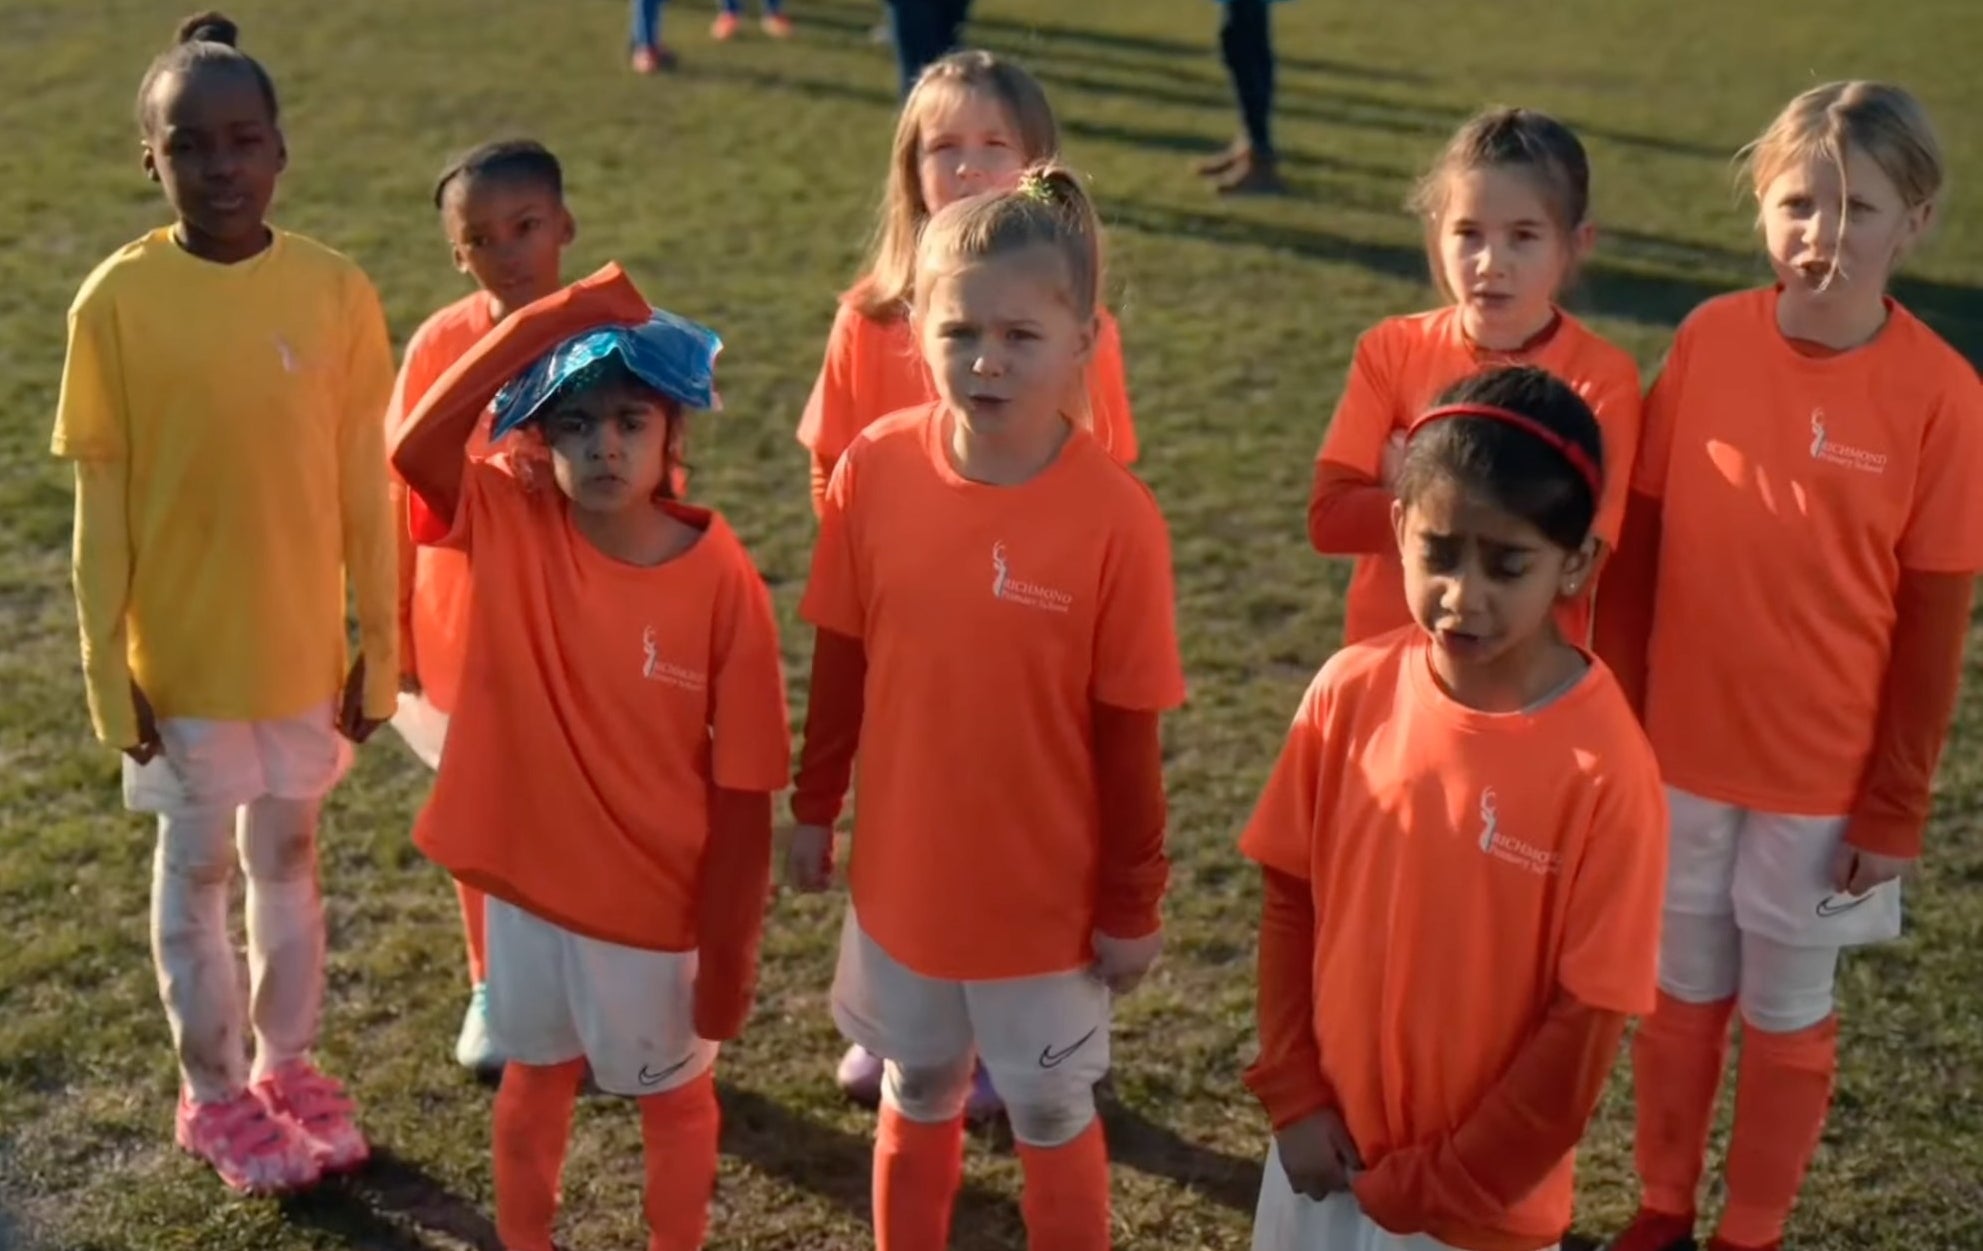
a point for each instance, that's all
(474, 1050)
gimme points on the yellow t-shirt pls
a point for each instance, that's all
(240, 407)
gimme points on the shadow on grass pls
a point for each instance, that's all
(375, 1208)
(1633, 295)
(839, 1166)
(1953, 310)
(1649, 290)
(1632, 292)
(1292, 97)
(1064, 40)
(1137, 1142)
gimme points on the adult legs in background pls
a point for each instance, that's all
(1246, 45)
(644, 39)
(924, 31)
(776, 24)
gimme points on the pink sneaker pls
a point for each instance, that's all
(723, 27)
(318, 1106)
(254, 1152)
(777, 25)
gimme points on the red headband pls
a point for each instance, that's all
(1579, 459)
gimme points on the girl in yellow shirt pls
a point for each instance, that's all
(222, 402)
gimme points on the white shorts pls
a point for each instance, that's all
(555, 996)
(1286, 1221)
(1772, 873)
(423, 727)
(225, 764)
(1042, 1039)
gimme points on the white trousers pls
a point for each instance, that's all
(243, 794)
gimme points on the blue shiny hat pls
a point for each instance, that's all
(674, 355)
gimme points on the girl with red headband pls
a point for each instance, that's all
(1470, 796)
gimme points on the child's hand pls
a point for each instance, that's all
(149, 744)
(1391, 461)
(1120, 963)
(351, 719)
(1318, 1154)
(1854, 871)
(809, 859)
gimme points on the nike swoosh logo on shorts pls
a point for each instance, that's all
(655, 1079)
(1830, 906)
(1050, 1059)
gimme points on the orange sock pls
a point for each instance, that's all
(678, 1133)
(1066, 1200)
(533, 1125)
(916, 1169)
(1677, 1059)
(475, 930)
(1783, 1091)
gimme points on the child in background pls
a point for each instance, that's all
(622, 724)
(503, 207)
(1461, 848)
(993, 601)
(1507, 214)
(230, 476)
(1792, 595)
(776, 24)
(972, 124)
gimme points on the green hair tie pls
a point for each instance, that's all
(1035, 185)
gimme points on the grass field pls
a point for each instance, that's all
(738, 192)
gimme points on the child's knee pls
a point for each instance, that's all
(1051, 1116)
(1700, 957)
(929, 1094)
(279, 843)
(196, 848)
(1786, 989)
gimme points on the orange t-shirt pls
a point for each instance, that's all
(1794, 490)
(433, 581)
(1401, 365)
(993, 618)
(600, 702)
(874, 368)
(1466, 867)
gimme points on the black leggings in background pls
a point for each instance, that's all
(924, 31)
(1247, 45)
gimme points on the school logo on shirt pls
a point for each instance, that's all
(1489, 822)
(1831, 451)
(1020, 591)
(655, 669)
(1509, 849)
